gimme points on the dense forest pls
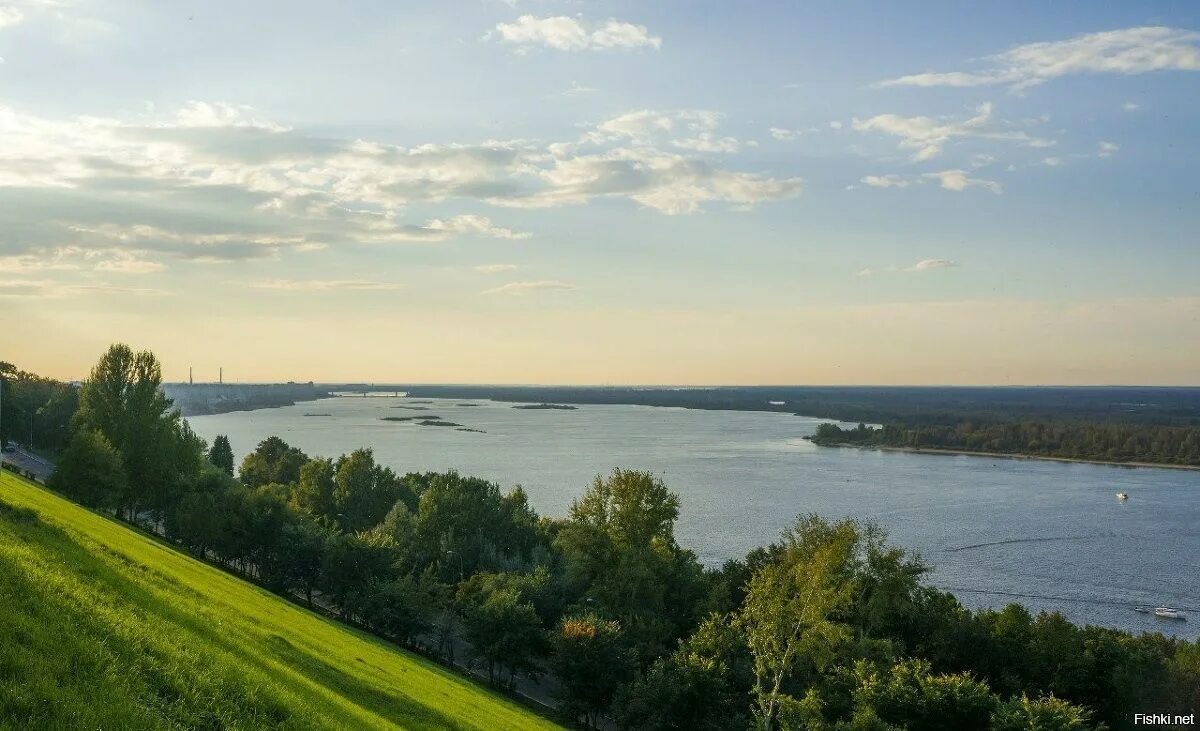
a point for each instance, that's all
(1175, 445)
(917, 405)
(831, 627)
(37, 410)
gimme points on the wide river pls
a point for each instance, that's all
(1050, 535)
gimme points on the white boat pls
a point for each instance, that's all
(1122, 496)
(1168, 613)
(1143, 610)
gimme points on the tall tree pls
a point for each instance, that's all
(221, 454)
(313, 494)
(123, 400)
(90, 470)
(591, 662)
(273, 461)
(789, 611)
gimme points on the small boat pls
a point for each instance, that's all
(1143, 610)
(1168, 613)
(1122, 496)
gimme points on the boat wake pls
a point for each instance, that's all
(955, 549)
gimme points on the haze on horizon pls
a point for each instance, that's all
(616, 192)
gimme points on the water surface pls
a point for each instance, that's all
(1048, 534)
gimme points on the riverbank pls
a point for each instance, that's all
(1005, 455)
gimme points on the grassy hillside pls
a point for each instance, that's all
(101, 627)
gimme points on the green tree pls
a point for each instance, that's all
(501, 623)
(591, 661)
(1042, 714)
(273, 461)
(90, 471)
(403, 607)
(619, 550)
(363, 491)
(196, 518)
(910, 695)
(702, 685)
(123, 400)
(221, 454)
(791, 605)
(313, 494)
(301, 550)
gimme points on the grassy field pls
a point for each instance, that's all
(102, 627)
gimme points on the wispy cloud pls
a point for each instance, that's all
(890, 180)
(956, 180)
(1131, 106)
(10, 15)
(323, 285)
(541, 285)
(495, 268)
(1106, 149)
(785, 135)
(929, 135)
(1127, 51)
(564, 33)
(49, 288)
(922, 266)
(686, 129)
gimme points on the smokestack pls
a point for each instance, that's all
(189, 375)
(220, 375)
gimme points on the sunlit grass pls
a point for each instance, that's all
(102, 627)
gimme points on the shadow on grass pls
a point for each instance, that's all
(166, 685)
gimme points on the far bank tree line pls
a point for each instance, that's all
(829, 628)
(1179, 445)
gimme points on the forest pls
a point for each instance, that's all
(830, 627)
(1147, 443)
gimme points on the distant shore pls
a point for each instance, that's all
(1008, 455)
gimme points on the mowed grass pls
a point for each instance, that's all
(104, 628)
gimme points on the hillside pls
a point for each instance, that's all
(107, 628)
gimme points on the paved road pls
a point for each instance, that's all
(29, 463)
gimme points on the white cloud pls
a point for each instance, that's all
(957, 180)
(835, 125)
(323, 285)
(1126, 51)
(1131, 106)
(1052, 161)
(473, 224)
(49, 288)
(887, 181)
(922, 266)
(10, 15)
(784, 135)
(495, 268)
(1106, 149)
(74, 258)
(982, 160)
(517, 288)
(929, 135)
(564, 33)
(220, 114)
(223, 183)
(127, 263)
(686, 129)
(576, 90)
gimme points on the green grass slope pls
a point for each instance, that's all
(104, 628)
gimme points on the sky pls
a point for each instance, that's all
(607, 192)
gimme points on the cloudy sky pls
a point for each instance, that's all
(532, 191)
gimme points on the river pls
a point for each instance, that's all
(1049, 535)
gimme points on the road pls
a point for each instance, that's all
(29, 463)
